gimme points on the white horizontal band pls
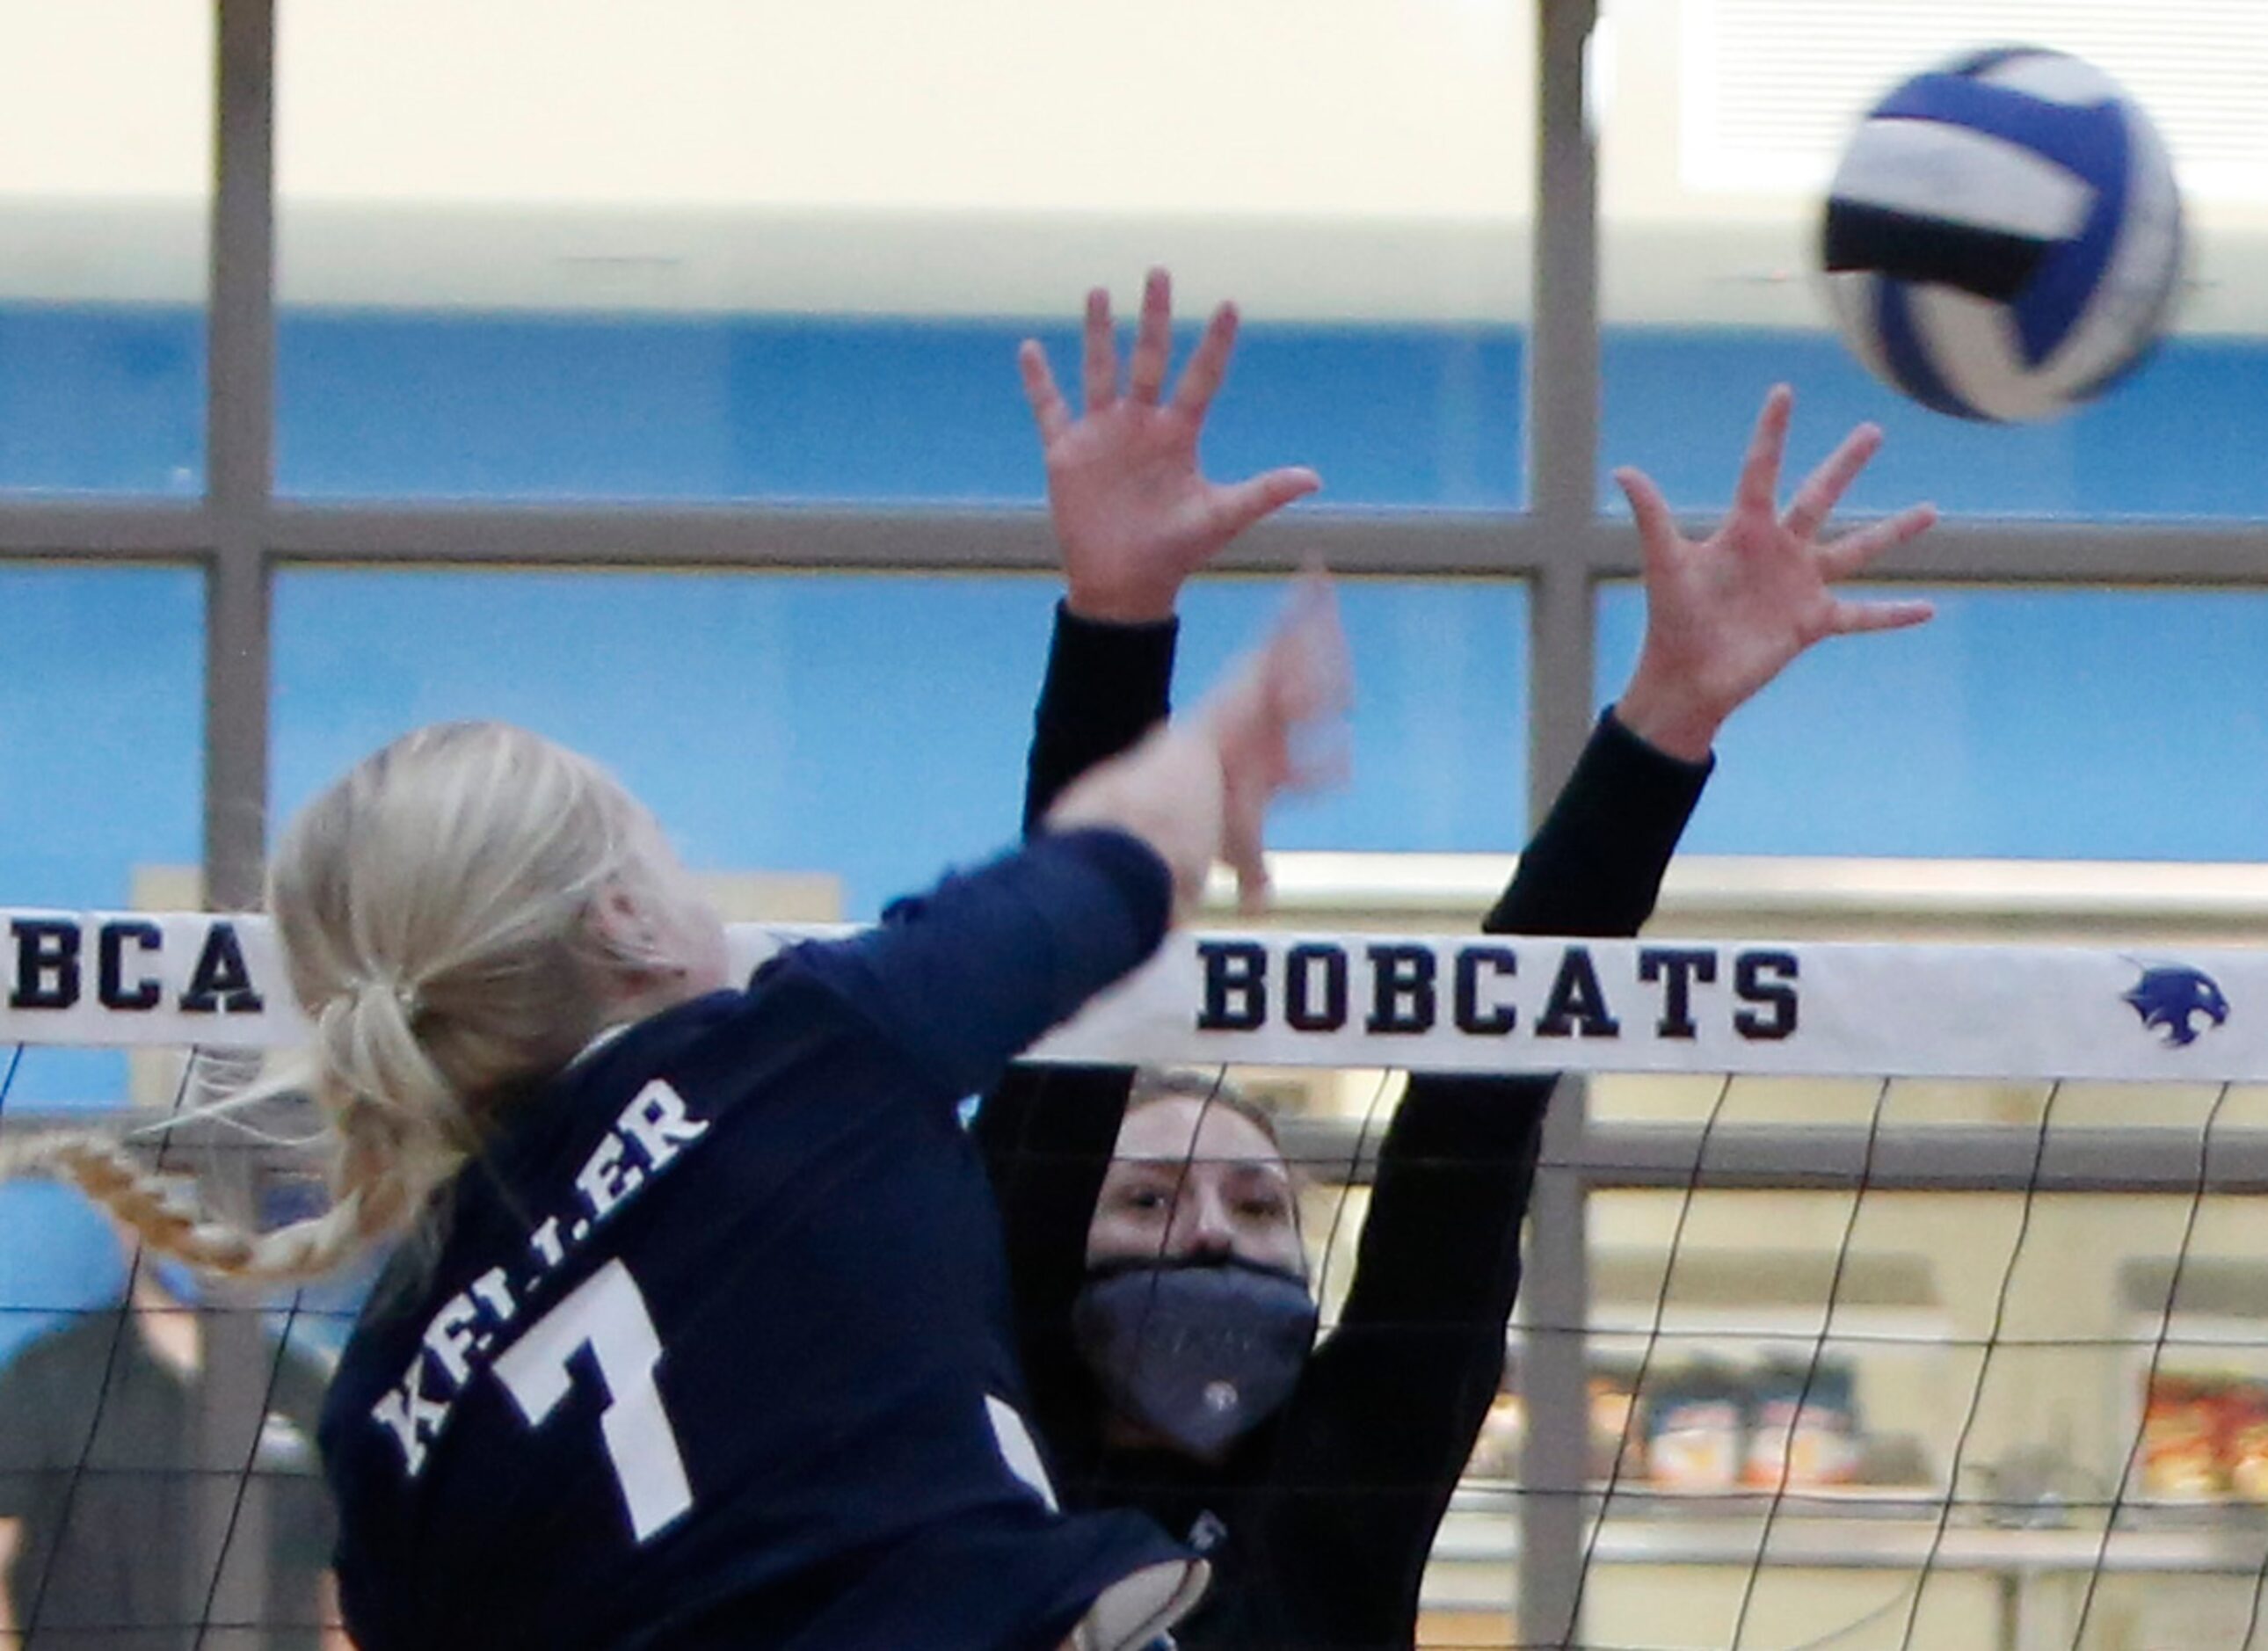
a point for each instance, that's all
(1955, 174)
(1427, 1002)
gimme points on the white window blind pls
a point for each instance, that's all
(1770, 88)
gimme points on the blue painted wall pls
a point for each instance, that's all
(484, 406)
(872, 727)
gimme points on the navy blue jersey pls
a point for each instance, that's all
(715, 1350)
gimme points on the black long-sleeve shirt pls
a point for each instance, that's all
(1321, 1519)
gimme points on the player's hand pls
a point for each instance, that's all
(1133, 513)
(1198, 789)
(1726, 615)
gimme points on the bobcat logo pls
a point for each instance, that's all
(2172, 998)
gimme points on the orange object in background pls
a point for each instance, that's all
(1802, 1427)
(2181, 1438)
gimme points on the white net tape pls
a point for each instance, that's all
(1431, 1003)
(1803, 1398)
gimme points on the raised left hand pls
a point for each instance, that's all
(1133, 512)
(1726, 615)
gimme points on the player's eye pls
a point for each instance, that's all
(1146, 1200)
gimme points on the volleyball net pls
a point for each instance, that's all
(1876, 1295)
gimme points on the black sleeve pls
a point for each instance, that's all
(1047, 1134)
(1595, 864)
(1455, 1166)
(1107, 685)
(1396, 1396)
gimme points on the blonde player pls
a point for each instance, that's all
(697, 1333)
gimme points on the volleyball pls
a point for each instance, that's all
(2003, 235)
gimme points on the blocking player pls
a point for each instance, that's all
(1165, 1311)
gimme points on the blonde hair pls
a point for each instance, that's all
(461, 915)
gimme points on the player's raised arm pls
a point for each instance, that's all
(967, 977)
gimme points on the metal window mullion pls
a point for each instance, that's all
(2046, 556)
(237, 645)
(241, 366)
(103, 533)
(1360, 543)
(232, 1515)
(1562, 426)
(240, 419)
(2068, 555)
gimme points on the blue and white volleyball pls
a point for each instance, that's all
(2004, 235)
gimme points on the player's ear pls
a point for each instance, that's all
(628, 930)
(659, 941)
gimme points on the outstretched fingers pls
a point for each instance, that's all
(1208, 368)
(1848, 618)
(1154, 340)
(1243, 846)
(1823, 489)
(1101, 368)
(1318, 673)
(1267, 720)
(1758, 490)
(1238, 506)
(1657, 527)
(1052, 413)
(1851, 554)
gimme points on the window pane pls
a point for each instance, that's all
(864, 732)
(101, 785)
(1716, 1101)
(1725, 118)
(100, 806)
(105, 163)
(715, 248)
(2037, 1360)
(2075, 725)
(1439, 741)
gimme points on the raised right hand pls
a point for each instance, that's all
(1726, 615)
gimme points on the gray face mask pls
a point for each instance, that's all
(1198, 1352)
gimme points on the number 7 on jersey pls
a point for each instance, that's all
(607, 1314)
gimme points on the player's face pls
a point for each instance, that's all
(1193, 1182)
